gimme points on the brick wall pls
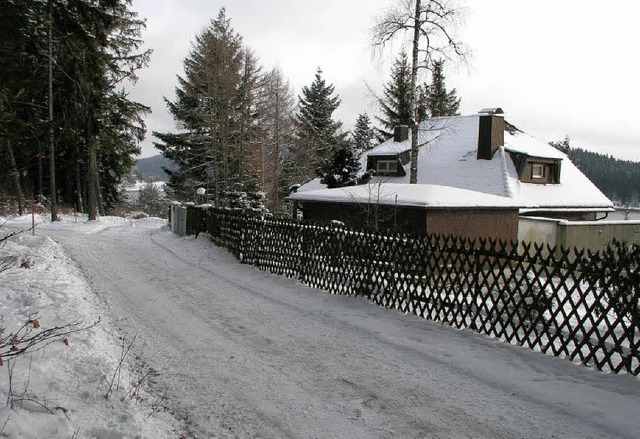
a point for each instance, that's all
(471, 223)
(474, 223)
(397, 219)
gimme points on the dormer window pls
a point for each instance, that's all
(539, 170)
(389, 165)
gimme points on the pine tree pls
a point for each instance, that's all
(318, 133)
(340, 168)
(563, 145)
(83, 125)
(396, 102)
(23, 111)
(151, 201)
(441, 102)
(107, 43)
(363, 136)
(215, 106)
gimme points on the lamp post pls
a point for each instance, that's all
(201, 191)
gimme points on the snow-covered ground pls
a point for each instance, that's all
(133, 189)
(242, 353)
(621, 214)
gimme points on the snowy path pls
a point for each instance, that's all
(249, 354)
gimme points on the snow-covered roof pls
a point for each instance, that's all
(423, 195)
(523, 143)
(448, 157)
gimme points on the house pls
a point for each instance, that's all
(477, 175)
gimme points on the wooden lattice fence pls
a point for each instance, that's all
(574, 304)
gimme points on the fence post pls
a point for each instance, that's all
(633, 348)
(476, 289)
(242, 226)
(635, 316)
(302, 257)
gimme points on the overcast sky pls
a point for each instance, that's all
(556, 67)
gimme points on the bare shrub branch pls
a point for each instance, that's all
(30, 337)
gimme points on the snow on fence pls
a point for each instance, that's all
(579, 305)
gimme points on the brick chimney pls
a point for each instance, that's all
(490, 132)
(400, 133)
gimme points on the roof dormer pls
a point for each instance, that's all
(388, 164)
(537, 170)
(390, 160)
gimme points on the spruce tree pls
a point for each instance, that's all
(441, 102)
(363, 136)
(396, 103)
(340, 168)
(215, 107)
(318, 133)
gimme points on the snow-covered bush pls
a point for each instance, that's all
(239, 199)
(151, 201)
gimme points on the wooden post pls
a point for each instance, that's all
(33, 215)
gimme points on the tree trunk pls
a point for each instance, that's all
(413, 174)
(102, 209)
(40, 172)
(78, 182)
(16, 178)
(215, 164)
(52, 152)
(92, 175)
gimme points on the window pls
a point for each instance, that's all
(387, 166)
(537, 171)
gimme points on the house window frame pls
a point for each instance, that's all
(391, 166)
(538, 171)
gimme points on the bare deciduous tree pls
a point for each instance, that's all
(279, 133)
(431, 26)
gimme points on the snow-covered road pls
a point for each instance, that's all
(249, 354)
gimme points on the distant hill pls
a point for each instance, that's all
(151, 167)
(618, 179)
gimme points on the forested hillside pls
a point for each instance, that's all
(618, 179)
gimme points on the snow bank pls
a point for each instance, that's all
(59, 391)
